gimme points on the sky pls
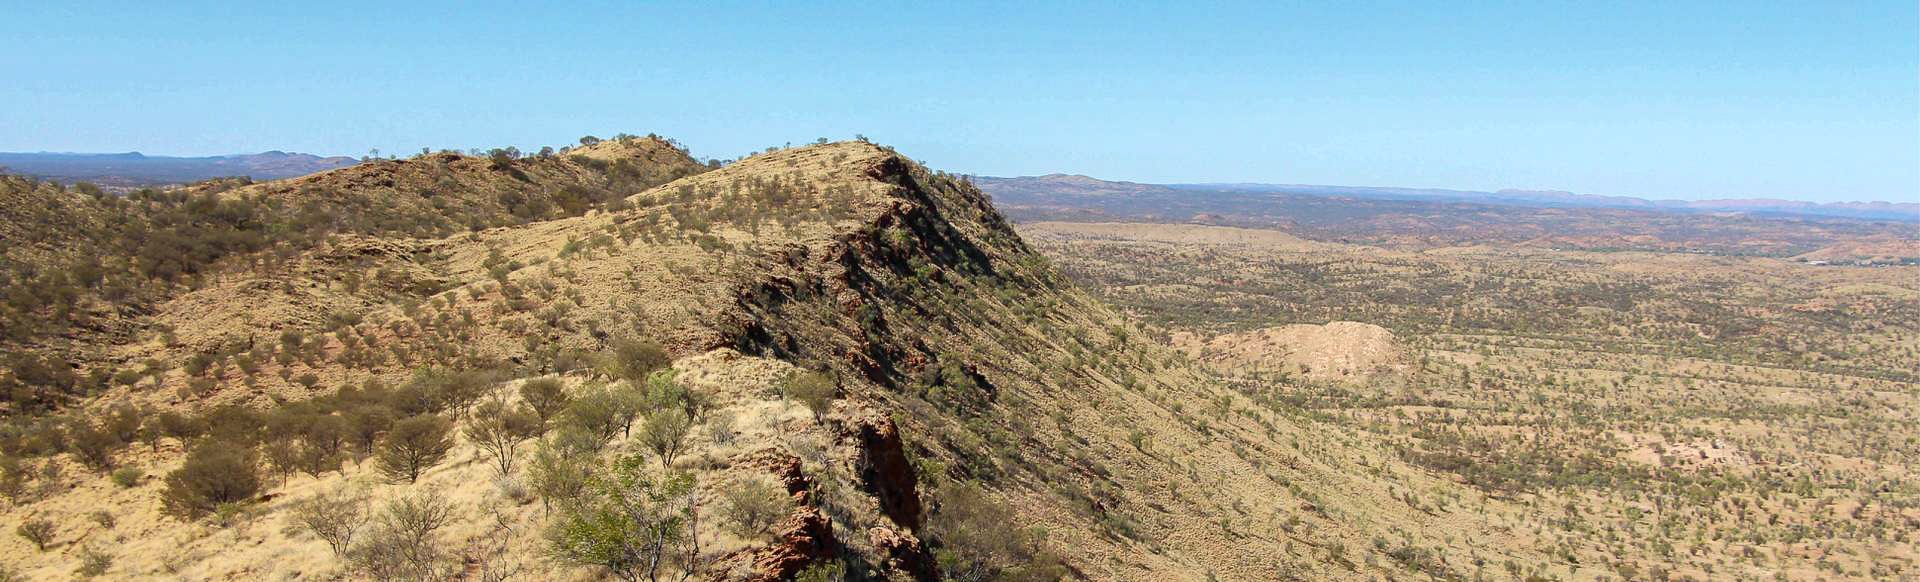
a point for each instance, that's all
(1690, 100)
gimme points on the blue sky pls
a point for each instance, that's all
(1804, 100)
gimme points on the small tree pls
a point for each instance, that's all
(605, 411)
(404, 542)
(629, 522)
(414, 445)
(815, 390)
(93, 446)
(365, 424)
(665, 433)
(37, 531)
(753, 505)
(127, 477)
(215, 473)
(546, 396)
(977, 540)
(633, 359)
(557, 476)
(664, 390)
(93, 562)
(498, 429)
(332, 517)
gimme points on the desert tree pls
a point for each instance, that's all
(665, 433)
(631, 522)
(498, 429)
(414, 445)
(334, 517)
(546, 396)
(404, 542)
(215, 473)
(751, 506)
(634, 359)
(814, 390)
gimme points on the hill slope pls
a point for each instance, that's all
(962, 369)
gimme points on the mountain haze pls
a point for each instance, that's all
(136, 169)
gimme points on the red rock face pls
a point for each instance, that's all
(805, 536)
(884, 468)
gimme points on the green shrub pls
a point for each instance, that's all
(604, 411)
(93, 446)
(127, 477)
(332, 517)
(37, 531)
(215, 473)
(626, 522)
(634, 359)
(498, 429)
(665, 433)
(93, 562)
(750, 506)
(814, 390)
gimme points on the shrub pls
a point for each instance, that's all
(93, 562)
(123, 422)
(976, 541)
(628, 523)
(215, 473)
(127, 477)
(546, 396)
(37, 531)
(103, 518)
(14, 476)
(498, 429)
(604, 411)
(366, 423)
(720, 428)
(832, 571)
(332, 517)
(178, 426)
(665, 433)
(414, 445)
(815, 390)
(751, 506)
(403, 544)
(664, 390)
(634, 359)
(93, 446)
(558, 476)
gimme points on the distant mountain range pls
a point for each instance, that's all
(136, 169)
(1071, 184)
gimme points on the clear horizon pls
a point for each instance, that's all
(1703, 101)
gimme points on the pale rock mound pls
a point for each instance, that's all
(1337, 351)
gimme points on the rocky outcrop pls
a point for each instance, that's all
(885, 472)
(804, 537)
